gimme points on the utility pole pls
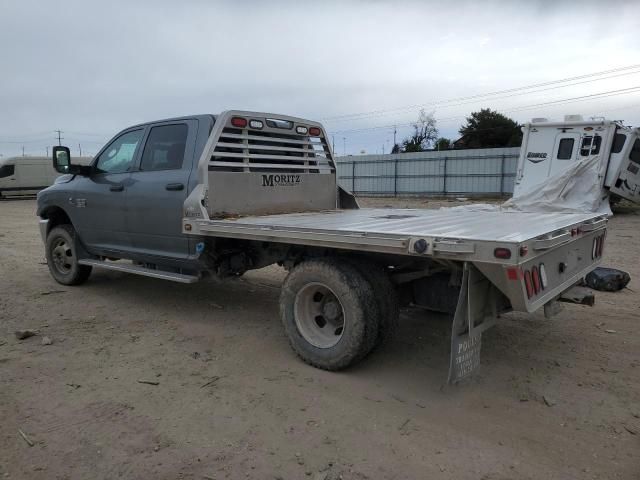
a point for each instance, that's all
(383, 148)
(333, 139)
(23, 150)
(47, 151)
(344, 146)
(395, 130)
(60, 138)
(80, 149)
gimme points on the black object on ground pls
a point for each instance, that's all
(607, 279)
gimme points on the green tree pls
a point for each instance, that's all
(489, 129)
(396, 148)
(442, 144)
(424, 134)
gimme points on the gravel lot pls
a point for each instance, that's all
(554, 399)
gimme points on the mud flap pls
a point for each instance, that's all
(476, 311)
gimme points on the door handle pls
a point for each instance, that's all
(174, 186)
(116, 188)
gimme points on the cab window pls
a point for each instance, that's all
(118, 156)
(164, 149)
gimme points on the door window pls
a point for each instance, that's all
(164, 149)
(565, 148)
(589, 148)
(618, 142)
(118, 156)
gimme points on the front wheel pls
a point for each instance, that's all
(62, 257)
(325, 306)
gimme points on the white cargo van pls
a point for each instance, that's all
(27, 175)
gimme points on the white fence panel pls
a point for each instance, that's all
(489, 171)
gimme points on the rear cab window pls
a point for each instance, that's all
(165, 147)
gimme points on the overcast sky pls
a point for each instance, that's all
(93, 68)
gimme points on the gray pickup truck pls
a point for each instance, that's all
(217, 195)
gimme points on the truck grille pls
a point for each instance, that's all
(244, 150)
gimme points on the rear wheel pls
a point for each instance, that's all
(386, 297)
(325, 306)
(62, 257)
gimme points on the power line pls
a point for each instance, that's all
(498, 92)
(450, 105)
(593, 96)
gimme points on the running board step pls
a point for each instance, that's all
(139, 270)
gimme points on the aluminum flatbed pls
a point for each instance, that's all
(449, 232)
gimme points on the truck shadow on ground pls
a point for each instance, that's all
(245, 313)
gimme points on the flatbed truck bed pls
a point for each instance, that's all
(456, 232)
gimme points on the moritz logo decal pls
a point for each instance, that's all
(280, 180)
(536, 157)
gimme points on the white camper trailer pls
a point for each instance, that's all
(27, 175)
(549, 148)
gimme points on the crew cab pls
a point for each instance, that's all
(217, 195)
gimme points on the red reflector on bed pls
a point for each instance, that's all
(514, 273)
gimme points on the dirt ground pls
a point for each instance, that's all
(554, 399)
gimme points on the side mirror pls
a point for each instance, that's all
(62, 162)
(62, 159)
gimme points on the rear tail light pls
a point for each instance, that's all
(535, 277)
(597, 247)
(503, 253)
(239, 122)
(543, 276)
(314, 131)
(601, 246)
(528, 283)
(535, 280)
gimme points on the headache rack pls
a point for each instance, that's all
(267, 163)
(270, 149)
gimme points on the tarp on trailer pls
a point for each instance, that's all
(577, 189)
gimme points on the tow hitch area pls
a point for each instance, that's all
(576, 294)
(579, 295)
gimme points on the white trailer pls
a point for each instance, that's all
(549, 148)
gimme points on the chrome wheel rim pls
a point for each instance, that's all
(319, 315)
(62, 256)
